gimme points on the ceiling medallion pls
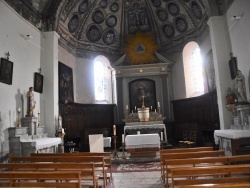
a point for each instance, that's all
(140, 48)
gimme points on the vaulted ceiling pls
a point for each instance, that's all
(102, 26)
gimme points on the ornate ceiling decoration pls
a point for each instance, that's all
(140, 48)
(100, 26)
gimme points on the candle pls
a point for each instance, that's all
(123, 138)
(62, 130)
(158, 104)
(135, 108)
(132, 112)
(38, 111)
(126, 107)
(114, 130)
(155, 110)
(151, 108)
(19, 109)
(161, 136)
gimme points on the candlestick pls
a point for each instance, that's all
(114, 130)
(161, 136)
(126, 107)
(18, 118)
(38, 119)
(115, 155)
(123, 153)
(19, 109)
(158, 104)
(123, 138)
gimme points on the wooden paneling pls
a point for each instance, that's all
(79, 120)
(197, 113)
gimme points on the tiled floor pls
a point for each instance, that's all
(136, 180)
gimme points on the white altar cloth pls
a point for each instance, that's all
(150, 126)
(42, 143)
(142, 141)
(231, 134)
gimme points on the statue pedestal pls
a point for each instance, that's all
(243, 111)
(31, 123)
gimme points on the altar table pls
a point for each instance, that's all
(233, 141)
(142, 127)
(39, 145)
(142, 144)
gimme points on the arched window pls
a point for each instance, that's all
(102, 80)
(193, 70)
(99, 81)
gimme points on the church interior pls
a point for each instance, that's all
(163, 74)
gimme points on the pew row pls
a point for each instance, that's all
(97, 160)
(183, 150)
(184, 155)
(222, 185)
(204, 161)
(107, 157)
(212, 174)
(88, 175)
(41, 179)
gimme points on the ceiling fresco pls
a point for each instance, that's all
(101, 26)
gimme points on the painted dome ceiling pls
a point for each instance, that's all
(102, 26)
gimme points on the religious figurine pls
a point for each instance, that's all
(31, 103)
(230, 96)
(240, 88)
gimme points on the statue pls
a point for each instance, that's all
(240, 88)
(31, 103)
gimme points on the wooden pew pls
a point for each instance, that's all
(204, 161)
(183, 150)
(97, 160)
(184, 155)
(221, 185)
(41, 179)
(212, 174)
(107, 157)
(87, 169)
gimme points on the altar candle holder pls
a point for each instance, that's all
(38, 119)
(159, 110)
(123, 153)
(18, 119)
(115, 155)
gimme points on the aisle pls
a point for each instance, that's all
(136, 180)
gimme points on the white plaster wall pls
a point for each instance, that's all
(85, 81)
(239, 35)
(179, 89)
(25, 54)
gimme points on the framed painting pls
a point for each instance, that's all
(6, 71)
(139, 88)
(38, 83)
(66, 92)
(233, 67)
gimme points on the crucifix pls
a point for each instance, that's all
(7, 55)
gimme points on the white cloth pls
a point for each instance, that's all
(142, 141)
(107, 141)
(231, 134)
(151, 126)
(42, 143)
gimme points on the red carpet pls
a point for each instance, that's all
(136, 167)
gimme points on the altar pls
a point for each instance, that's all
(145, 128)
(233, 141)
(142, 144)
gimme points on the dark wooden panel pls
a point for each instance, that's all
(200, 114)
(79, 120)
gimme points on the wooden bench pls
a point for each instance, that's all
(87, 169)
(41, 179)
(184, 155)
(97, 160)
(204, 161)
(181, 150)
(221, 185)
(212, 174)
(107, 157)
